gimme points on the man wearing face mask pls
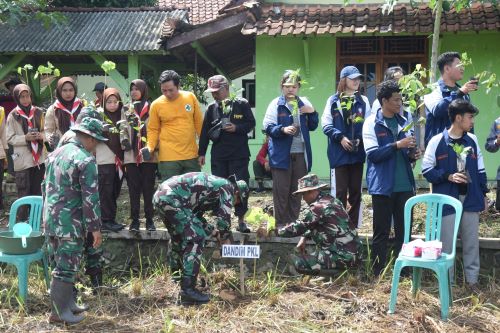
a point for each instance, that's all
(227, 123)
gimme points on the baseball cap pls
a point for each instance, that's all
(216, 82)
(99, 86)
(350, 72)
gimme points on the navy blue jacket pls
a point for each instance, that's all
(436, 109)
(440, 161)
(334, 127)
(381, 154)
(278, 116)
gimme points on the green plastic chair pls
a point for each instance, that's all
(23, 261)
(434, 204)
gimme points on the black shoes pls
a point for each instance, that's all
(189, 294)
(112, 226)
(242, 227)
(134, 226)
(150, 225)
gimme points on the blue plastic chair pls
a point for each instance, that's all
(434, 204)
(23, 261)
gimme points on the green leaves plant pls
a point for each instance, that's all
(108, 66)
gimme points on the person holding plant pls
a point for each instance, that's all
(140, 174)
(111, 157)
(175, 121)
(492, 145)
(25, 133)
(389, 176)
(446, 91)
(454, 164)
(392, 73)
(227, 122)
(288, 121)
(342, 123)
(62, 114)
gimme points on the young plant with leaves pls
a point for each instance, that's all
(107, 66)
(461, 153)
(227, 104)
(485, 78)
(42, 73)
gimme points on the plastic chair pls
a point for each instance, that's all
(434, 203)
(23, 261)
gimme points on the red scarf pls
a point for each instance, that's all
(74, 108)
(139, 116)
(34, 144)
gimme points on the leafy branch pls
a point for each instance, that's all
(107, 66)
(486, 78)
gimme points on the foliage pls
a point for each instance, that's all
(104, 3)
(42, 72)
(21, 11)
(486, 78)
(196, 84)
(413, 90)
(227, 104)
(460, 150)
(107, 67)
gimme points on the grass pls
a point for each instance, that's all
(273, 303)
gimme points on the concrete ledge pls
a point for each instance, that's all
(162, 234)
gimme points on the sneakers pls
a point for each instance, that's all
(111, 226)
(134, 226)
(150, 225)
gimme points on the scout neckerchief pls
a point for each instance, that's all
(34, 144)
(74, 109)
(145, 109)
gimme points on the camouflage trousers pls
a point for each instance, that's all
(187, 240)
(322, 259)
(91, 256)
(65, 255)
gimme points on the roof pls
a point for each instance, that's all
(94, 30)
(200, 11)
(288, 19)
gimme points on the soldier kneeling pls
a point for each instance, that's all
(327, 223)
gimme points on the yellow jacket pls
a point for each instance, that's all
(175, 126)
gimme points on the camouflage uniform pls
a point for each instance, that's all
(182, 200)
(327, 223)
(71, 206)
(92, 256)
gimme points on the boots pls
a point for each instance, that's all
(74, 307)
(61, 295)
(134, 226)
(189, 295)
(150, 225)
(96, 282)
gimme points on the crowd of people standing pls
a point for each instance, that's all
(170, 137)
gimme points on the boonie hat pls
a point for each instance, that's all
(308, 183)
(92, 127)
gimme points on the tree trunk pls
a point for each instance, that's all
(435, 40)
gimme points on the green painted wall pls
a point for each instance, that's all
(276, 54)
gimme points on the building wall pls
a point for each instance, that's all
(276, 54)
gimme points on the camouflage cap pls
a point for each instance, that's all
(216, 82)
(88, 112)
(308, 183)
(92, 127)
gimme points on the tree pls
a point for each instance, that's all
(19, 11)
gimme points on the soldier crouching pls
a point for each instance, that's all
(327, 223)
(182, 200)
(71, 208)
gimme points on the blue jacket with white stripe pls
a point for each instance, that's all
(381, 154)
(334, 127)
(440, 161)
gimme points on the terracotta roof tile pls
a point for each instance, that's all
(200, 11)
(286, 19)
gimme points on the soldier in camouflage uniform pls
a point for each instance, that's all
(91, 255)
(182, 200)
(71, 208)
(327, 223)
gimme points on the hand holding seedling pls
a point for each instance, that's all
(416, 154)
(469, 86)
(289, 130)
(346, 144)
(408, 142)
(458, 178)
(306, 109)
